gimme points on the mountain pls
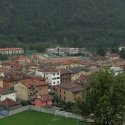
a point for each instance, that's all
(78, 23)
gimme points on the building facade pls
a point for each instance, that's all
(11, 51)
(69, 92)
(51, 75)
(5, 93)
(30, 89)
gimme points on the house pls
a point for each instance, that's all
(116, 70)
(59, 51)
(44, 100)
(9, 104)
(7, 93)
(81, 79)
(30, 89)
(65, 75)
(77, 71)
(11, 65)
(52, 75)
(112, 56)
(69, 92)
(11, 51)
(2, 71)
(1, 83)
(22, 60)
(30, 67)
(12, 77)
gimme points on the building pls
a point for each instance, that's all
(78, 71)
(59, 51)
(30, 89)
(112, 56)
(52, 75)
(7, 93)
(11, 51)
(45, 100)
(9, 104)
(22, 60)
(116, 70)
(69, 92)
(10, 78)
(1, 83)
(65, 75)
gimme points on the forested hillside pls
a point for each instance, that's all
(89, 23)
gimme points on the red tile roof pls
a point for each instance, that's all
(30, 82)
(70, 86)
(3, 49)
(5, 91)
(65, 71)
(45, 98)
(22, 58)
(49, 69)
(8, 103)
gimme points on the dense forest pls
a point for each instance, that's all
(80, 23)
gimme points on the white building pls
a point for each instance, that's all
(63, 51)
(51, 75)
(11, 51)
(116, 70)
(10, 94)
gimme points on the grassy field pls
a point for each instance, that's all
(37, 118)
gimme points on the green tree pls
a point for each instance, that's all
(122, 53)
(104, 97)
(114, 50)
(101, 52)
(3, 57)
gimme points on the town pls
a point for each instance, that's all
(54, 78)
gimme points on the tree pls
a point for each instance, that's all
(104, 98)
(101, 52)
(74, 23)
(122, 53)
(3, 57)
(114, 50)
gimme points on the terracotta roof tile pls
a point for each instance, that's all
(45, 98)
(30, 82)
(70, 87)
(5, 91)
(65, 71)
(3, 49)
(8, 103)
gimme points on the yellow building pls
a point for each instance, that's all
(69, 92)
(1, 83)
(30, 89)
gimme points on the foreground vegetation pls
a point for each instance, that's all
(89, 23)
(104, 98)
(37, 118)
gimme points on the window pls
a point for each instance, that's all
(53, 78)
(53, 82)
(60, 90)
(58, 73)
(58, 82)
(60, 96)
(64, 92)
(58, 78)
(54, 74)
